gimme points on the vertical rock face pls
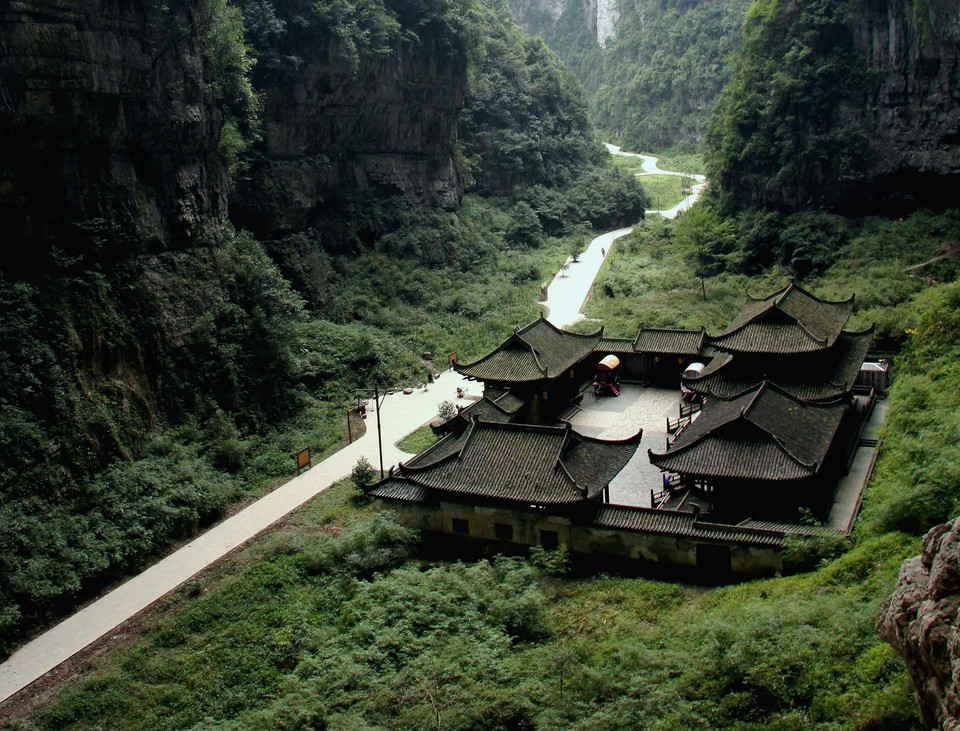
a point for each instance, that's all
(336, 126)
(106, 114)
(607, 17)
(919, 620)
(911, 110)
(540, 16)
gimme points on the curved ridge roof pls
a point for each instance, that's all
(790, 320)
(819, 376)
(516, 462)
(534, 352)
(763, 434)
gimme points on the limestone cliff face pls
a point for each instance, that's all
(911, 111)
(337, 127)
(540, 16)
(920, 621)
(106, 115)
(607, 17)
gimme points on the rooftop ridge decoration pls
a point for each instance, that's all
(532, 353)
(809, 323)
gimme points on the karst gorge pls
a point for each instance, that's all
(222, 220)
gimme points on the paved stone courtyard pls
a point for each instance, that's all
(619, 417)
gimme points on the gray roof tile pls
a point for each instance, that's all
(535, 352)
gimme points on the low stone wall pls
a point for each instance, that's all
(491, 529)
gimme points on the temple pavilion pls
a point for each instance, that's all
(504, 481)
(790, 338)
(777, 415)
(540, 365)
(763, 454)
(778, 411)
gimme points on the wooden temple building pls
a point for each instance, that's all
(778, 412)
(763, 454)
(540, 365)
(770, 439)
(514, 482)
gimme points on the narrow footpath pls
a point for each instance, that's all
(650, 167)
(400, 414)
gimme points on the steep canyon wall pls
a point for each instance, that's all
(106, 114)
(910, 109)
(335, 127)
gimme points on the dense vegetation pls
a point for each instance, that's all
(654, 84)
(665, 69)
(142, 397)
(348, 635)
(526, 134)
(776, 140)
(139, 401)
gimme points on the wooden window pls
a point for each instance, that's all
(503, 531)
(461, 525)
(549, 539)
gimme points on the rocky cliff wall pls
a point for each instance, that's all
(539, 17)
(338, 126)
(911, 109)
(920, 621)
(607, 17)
(106, 114)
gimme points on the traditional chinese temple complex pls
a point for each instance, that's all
(777, 415)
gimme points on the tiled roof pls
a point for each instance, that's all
(535, 352)
(821, 376)
(487, 409)
(398, 490)
(675, 523)
(617, 346)
(656, 340)
(787, 528)
(661, 340)
(789, 321)
(764, 434)
(518, 462)
(508, 402)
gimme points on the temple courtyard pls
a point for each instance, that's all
(619, 417)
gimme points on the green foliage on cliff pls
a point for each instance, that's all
(776, 140)
(917, 483)
(525, 133)
(661, 73)
(664, 70)
(351, 30)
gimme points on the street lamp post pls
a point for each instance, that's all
(377, 400)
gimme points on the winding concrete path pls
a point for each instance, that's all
(650, 167)
(400, 414)
(567, 292)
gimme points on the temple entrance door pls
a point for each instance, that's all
(713, 562)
